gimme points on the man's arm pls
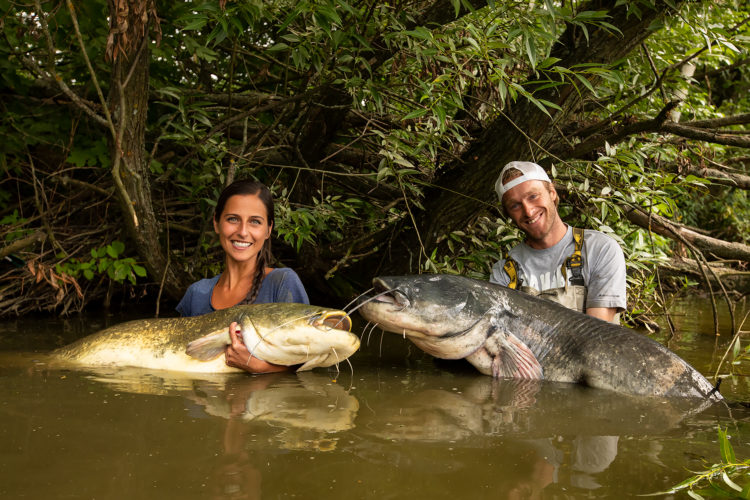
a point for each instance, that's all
(605, 313)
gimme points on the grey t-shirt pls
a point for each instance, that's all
(603, 268)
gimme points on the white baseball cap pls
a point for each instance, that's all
(529, 172)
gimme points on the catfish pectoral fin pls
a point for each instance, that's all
(209, 347)
(527, 366)
(508, 357)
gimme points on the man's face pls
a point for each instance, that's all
(531, 206)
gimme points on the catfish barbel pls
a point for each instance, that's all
(507, 333)
(279, 333)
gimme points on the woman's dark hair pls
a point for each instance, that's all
(265, 258)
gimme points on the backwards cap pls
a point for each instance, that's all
(529, 172)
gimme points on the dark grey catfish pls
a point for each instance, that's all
(506, 333)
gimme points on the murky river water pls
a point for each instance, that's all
(399, 426)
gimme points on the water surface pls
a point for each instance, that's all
(401, 425)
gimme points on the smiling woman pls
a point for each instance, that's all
(243, 220)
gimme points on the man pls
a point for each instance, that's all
(581, 269)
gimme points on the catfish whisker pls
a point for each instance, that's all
(351, 381)
(355, 299)
(364, 332)
(291, 321)
(252, 351)
(370, 299)
(370, 332)
(342, 319)
(338, 372)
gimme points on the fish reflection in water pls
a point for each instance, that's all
(544, 429)
(527, 408)
(306, 409)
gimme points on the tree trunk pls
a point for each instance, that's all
(128, 104)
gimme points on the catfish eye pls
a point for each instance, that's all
(337, 321)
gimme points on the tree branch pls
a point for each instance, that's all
(725, 121)
(715, 137)
(80, 103)
(706, 244)
(22, 243)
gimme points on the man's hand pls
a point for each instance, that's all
(238, 356)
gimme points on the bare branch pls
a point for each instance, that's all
(719, 177)
(713, 136)
(725, 121)
(80, 103)
(706, 244)
(22, 243)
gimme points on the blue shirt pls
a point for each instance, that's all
(280, 285)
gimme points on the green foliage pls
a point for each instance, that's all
(725, 479)
(103, 261)
(15, 223)
(95, 154)
(244, 88)
(473, 252)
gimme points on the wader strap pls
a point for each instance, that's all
(511, 269)
(575, 261)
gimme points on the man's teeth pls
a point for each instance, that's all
(531, 221)
(241, 244)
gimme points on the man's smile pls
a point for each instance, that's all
(531, 221)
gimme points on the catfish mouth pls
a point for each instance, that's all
(384, 294)
(332, 320)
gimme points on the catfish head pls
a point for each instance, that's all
(284, 334)
(444, 315)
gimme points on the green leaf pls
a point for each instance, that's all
(538, 104)
(195, 23)
(530, 45)
(278, 47)
(585, 82)
(118, 247)
(139, 270)
(725, 447)
(416, 114)
(421, 33)
(729, 482)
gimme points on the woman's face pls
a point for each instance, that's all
(243, 227)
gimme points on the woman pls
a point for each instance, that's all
(243, 219)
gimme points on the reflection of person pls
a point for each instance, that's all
(535, 471)
(581, 269)
(243, 219)
(236, 476)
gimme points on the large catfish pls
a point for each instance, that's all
(506, 333)
(280, 333)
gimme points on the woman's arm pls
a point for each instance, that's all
(238, 356)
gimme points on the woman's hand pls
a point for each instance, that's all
(238, 356)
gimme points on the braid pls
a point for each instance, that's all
(260, 271)
(264, 258)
